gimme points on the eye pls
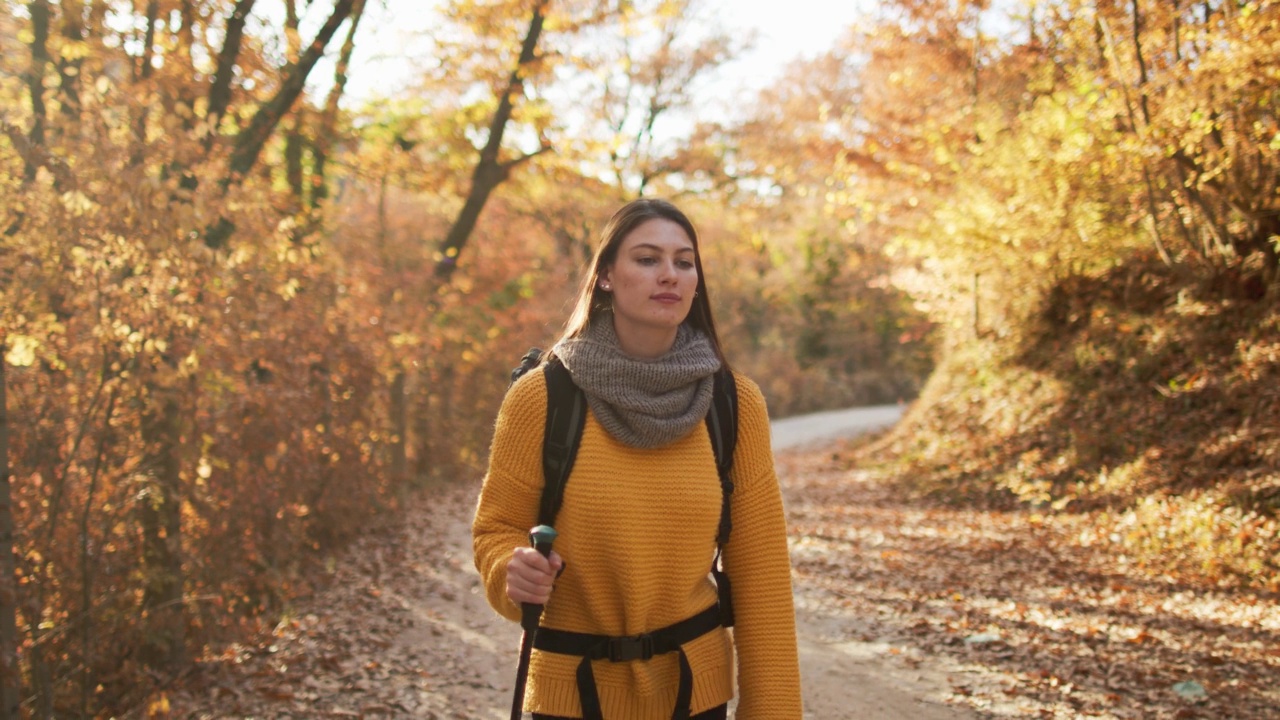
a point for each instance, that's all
(646, 260)
(684, 264)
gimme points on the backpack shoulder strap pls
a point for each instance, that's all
(528, 362)
(566, 416)
(722, 426)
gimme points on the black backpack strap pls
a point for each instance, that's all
(722, 425)
(566, 416)
(670, 639)
(528, 362)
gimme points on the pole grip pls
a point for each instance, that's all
(541, 538)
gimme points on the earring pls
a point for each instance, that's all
(606, 286)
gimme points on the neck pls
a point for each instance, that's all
(643, 343)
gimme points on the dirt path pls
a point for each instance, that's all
(400, 636)
(848, 668)
(404, 631)
(905, 611)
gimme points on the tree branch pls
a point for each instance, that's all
(220, 91)
(489, 171)
(251, 140)
(329, 117)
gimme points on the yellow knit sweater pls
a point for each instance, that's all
(637, 533)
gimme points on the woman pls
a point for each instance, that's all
(641, 510)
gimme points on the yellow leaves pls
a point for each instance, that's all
(289, 289)
(671, 9)
(22, 351)
(406, 340)
(158, 706)
(74, 50)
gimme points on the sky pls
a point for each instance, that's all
(785, 30)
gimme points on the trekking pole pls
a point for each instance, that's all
(541, 538)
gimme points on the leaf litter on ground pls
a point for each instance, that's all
(1049, 626)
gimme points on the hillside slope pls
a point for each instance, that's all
(1145, 403)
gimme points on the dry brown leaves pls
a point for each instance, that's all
(401, 630)
(1060, 630)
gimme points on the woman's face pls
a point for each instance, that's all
(653, 279)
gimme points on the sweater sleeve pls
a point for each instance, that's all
(508, 503)
(758, 564)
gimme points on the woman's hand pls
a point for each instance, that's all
(530, 576)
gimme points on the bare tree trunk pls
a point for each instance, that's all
(327, 132)
(490, 171)
(39, 10)
(293, 151)
(69, 68)
(293, 137)
(10, 678)
(87, 680)
(159, 510)
(186, 39)
(424, 455)
(1142, 62)
(145, 71)
(400, 426)
(250, 141)
(220, 90)
(1152, 206)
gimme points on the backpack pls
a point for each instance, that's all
(566, 416)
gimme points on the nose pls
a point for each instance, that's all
(667, 272)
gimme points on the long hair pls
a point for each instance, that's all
(593, 302)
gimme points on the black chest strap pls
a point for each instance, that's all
(590, 647)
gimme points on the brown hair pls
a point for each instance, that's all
(592, 301)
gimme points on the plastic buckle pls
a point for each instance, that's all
(637, 647)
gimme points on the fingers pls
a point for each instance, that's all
(530, 576)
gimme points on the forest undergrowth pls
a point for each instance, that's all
(1141, 405)
(1113, 476)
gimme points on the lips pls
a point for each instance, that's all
(666, 297)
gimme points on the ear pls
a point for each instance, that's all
(604, 281)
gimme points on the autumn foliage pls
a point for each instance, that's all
(242, 314)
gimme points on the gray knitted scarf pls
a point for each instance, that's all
(642, 403)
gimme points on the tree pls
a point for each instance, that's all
(10, 673)
(491, 170)
(253, 138)
(644, 65)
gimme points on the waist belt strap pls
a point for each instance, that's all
(622, 649)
